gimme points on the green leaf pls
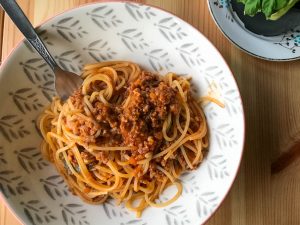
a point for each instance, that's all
(272, 9)
(281, 4)
(282, 11)
(252, 7)
(268, 7)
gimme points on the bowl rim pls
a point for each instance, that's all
(14, 49)
(209, 2)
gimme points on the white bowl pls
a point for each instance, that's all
(157, 41)
(283, 47)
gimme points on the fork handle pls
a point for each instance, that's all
(21, 21)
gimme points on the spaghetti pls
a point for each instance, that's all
(126, 134)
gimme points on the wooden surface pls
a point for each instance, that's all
(267, 188)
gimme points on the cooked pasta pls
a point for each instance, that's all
(126, 134)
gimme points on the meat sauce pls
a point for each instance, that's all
(136, 123)
(142, 119)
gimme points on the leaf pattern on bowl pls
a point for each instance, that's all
(217, 167)
(69, 28)
(74, 213)
(70, 61)
(139, 11)
(100, 50)
(12, 184)
(159, 59)
(189, 182)
(231, 96)
(134, 222)
(12, 128)
(35, 123)
(225, 136)
(26, 100)
(39, 73)
(43, 34)
(213, 74)
(37, 212)
(190, 54)
(2, 156)
(177, 215)
(30, 159)
(111, 211)
(211, 109)
(206, 203)
(55, 187)
(170, 29)
(104, 17)
(133, 39)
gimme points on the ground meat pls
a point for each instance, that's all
(154, 172)
(87, 157)
(182, 161)
(141, 121)
(84, 128)
(102, 157)
(77, 99)
(137, 124)
(106, 114)
(107, 121)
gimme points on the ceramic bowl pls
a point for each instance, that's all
(158, 41)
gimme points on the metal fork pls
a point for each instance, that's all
(65, 82)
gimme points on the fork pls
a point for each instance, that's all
(65, 82)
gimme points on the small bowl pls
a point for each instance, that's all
(283, 47)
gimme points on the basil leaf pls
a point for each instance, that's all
(273, 9)
(268, 7)
(281, 4)
(283, 10)
(252, 7)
